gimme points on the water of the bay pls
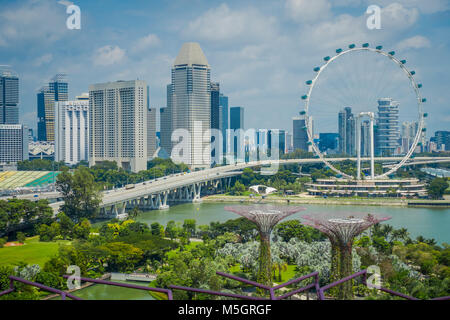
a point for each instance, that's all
(424, 221)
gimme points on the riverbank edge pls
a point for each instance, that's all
(328, 201)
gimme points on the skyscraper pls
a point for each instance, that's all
(56, 90)
(408, 133)
(442, 139)
(9, 97)
(388, 127)
(300, 133)
(365, 138)
(118, 124)
(329, 142)
(347, 133)
(151, 133)
(13, 143)
(215, 104)
(276, 135)
(190, 102)
(72, 130)
(236, 123)
(223, 105)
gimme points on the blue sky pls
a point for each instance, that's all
(261, 52)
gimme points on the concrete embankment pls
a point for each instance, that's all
(329, 201)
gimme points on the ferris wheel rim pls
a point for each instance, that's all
(413, 83)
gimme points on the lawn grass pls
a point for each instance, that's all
(32, 252)
(285, 275)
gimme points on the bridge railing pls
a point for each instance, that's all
(63, 294)
(168, 292)
(362, 273)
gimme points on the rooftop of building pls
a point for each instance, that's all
(191, 54)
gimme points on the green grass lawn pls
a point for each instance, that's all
(33, 252)
(285, 275)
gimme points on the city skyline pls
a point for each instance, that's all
(239, 58)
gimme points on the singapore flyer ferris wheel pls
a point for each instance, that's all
(373, 104)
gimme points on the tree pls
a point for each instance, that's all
(171, 230)
(82, 229)
(66, 225)
(437, 188)
(189, 227)
(20, 237)
(157, 229)
(80, 192)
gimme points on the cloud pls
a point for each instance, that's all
(108, 55)
(151, 40)
(223, 24)
(397, 17)
(31, 22)
(308, 11)
(416, 42)
(46, 58)
(426, 7)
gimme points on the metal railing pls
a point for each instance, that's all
(315, 284)
(271, 290)
(168, 292)
(63, 294)
(362, 273)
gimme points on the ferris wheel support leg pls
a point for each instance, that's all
(358, 147)
(372, 151)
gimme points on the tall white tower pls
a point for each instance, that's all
(190, 107)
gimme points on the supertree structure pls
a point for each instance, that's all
(341, 229)
(265, 216)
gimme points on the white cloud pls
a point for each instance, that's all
(46, 58)
(151, 40)
(307, 10)
(424, 6)
(396, 16)
(32, 21)
(222, 24)
(416, 42)
(108, 55)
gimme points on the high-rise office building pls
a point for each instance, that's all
(408, 133)
(289, 145)
(347, 132)
(57, 90)
(13, 143)
(9, 97)
(442, 139)
(365, 138)
(273, 135)
(329, 142)
(165, 121)
(215, 104)
(236, 118)
(151, 133)
(118, 124)
(223, 105)
(165, 130)
(190, 102)
(300, 134)
(72, 130)
(236, 123)
(388, 127)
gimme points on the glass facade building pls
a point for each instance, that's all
(56, 91)
(9, 98)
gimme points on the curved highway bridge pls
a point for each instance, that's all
(187, 187)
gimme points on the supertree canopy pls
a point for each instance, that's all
(341, 228)
(265, 216)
